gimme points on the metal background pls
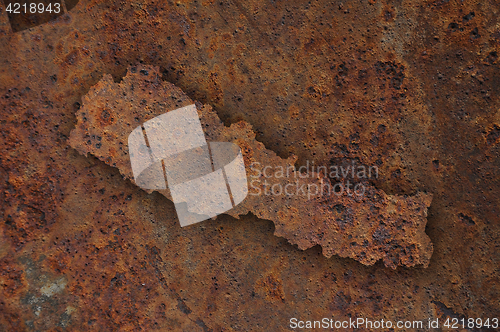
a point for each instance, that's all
(411, 86)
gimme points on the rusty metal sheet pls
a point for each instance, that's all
(409, 86)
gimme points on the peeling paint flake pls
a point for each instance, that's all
(54, 288)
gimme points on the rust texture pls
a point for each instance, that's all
(410, 86)
(367, 226)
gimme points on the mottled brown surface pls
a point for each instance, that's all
(412, 87)
(366, 224)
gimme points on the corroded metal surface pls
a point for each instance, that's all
(367, 226)
(409, 86)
